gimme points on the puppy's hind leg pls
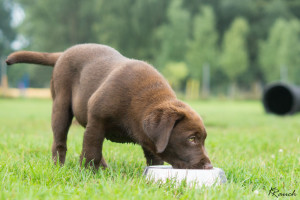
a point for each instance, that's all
(62, 116)
(151, 158)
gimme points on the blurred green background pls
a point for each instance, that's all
(205, 48)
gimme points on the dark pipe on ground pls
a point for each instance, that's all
(281, 99)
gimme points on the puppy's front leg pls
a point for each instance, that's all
(151, 158)
(92, 144)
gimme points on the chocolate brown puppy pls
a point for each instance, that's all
(122, 100)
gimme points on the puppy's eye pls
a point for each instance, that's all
(192, 139)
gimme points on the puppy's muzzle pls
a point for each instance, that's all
(207, 166)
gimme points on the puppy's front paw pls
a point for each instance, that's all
(92, 163)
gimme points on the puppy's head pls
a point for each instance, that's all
(178, 134)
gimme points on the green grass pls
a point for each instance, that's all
(257, 151)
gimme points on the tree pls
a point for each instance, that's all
(234, 59)
(173, 35)
(279, 54)
(202, 49)
(160, 32)
(53, 26)
(56, 25)
(7, 33)
(127, 25)
(175, 73)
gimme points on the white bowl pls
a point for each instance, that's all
(197, 177)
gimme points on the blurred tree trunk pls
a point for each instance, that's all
(4, 82)
(192, 89)
(206, 81)
(232, 90)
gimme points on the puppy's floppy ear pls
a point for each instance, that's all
(158, 126)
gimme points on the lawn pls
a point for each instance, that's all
(257, 152)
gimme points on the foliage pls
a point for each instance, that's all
(7, 33)
(244, 141)
(281, 51)
(130, 26)
(234, 58)
(203, 47)
(55, 25)
(159, 32)
(175, 73)
(174, 34)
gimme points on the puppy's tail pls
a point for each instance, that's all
(33, 57)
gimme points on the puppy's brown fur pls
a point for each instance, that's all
(122, 100)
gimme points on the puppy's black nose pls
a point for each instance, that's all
(207, 166)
